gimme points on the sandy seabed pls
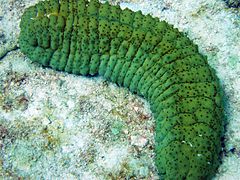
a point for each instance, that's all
(56, 125)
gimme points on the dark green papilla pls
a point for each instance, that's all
(145, 55)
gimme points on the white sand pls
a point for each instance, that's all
(65, 126)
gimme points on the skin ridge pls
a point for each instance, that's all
(145, 55)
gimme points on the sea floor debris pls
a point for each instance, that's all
(35, 101)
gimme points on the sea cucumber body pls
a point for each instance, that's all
(145, 55)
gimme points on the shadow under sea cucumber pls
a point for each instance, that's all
(145, 55)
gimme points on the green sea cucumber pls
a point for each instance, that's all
(145, 55)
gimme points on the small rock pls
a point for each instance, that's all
(3, 132)
(139, 141)
(136, 108)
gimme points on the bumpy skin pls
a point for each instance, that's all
(145, 55)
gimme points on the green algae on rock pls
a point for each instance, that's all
(145, 55)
